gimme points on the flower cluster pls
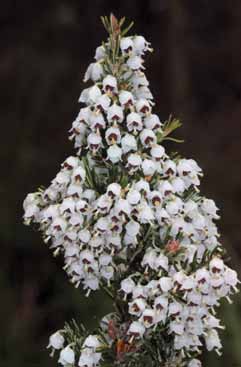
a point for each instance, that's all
(128, 218)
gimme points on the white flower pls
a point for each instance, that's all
(216, 265)
(109, 83)
(133, 197)
(114, 153)
(92, 341)
(136, 329)
(70, 163)
(126, 44)
(126, 98)
(112, 135)
(135, 63)
(157, 152)
(148, 317)
(115, 113)
(89, 358)
(132, 228)
(147, 137)
(149, 258)
(67, 356)
(103, 102)
(128, 143)
(127, 285)
(209, 207)
(143, 106)
(140, 45)
(79, 174)
(94, 141)
(134, 122)
(137, 306)
(134, 162)
(145, 214)
(90, 95)
(161, 262)
(178, 185)
(165, 283)
(97, 121)
(212, 340)
(94, 72)
(194, 363)
(142, 186)
(231, 277)
(100, 53)
(169, 167)
(30, 205)
(56, 341)
(152, 122)
(148, 167)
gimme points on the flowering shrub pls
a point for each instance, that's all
(127, 217)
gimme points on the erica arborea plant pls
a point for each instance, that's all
(127, 217)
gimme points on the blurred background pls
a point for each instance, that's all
(195, 74)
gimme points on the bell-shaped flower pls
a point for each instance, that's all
(89, 358)
(165, 188)
(134, 122)
(178, 185)
(143, 187)
(152, 122)
(79, 174)
(70, 163)
(209, 207)
(216, 265)
(127, 285)
(97, 121)
(100, 53)
(133, 197)
(94, 72)
(134, 162)
(67, 356)
(143, 92)
(231, 277)
(148, 317)
(132, 228)
(212, 340)
(128, 143)
(165, 284)
(157, 152)
(113, 135)
(136, 329)
(137, 306)
(114, 153)
(148, 167)
(126, 98)
(155, 198)
(126, 45)
(161, 262)
(92, 341)
(103, 102)
(56, 341)
(135, 63)
(94, 142)
(147, 137)
(109, 84)
(194, 363)
(143, 106)
(90, 95)
(114, 190)
(84, 235)
(140, 45)
(115, 113)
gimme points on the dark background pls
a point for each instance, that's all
(195, 73)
